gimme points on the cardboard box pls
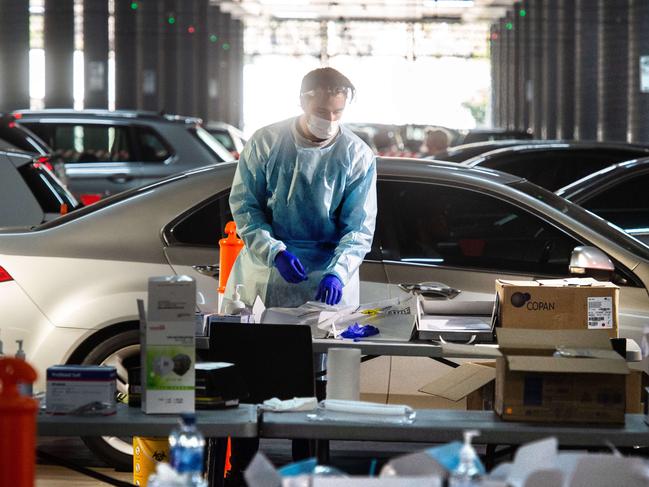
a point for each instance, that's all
(470, 380)
(557, 304)
(70, 389)
(559, 376)
(168, 345)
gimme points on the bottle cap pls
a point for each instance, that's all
(20, 354)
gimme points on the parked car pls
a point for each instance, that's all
(436, 222)
(106, 152)
(464, 152)
(618, 193)
(485, 135)
(30, 193)
(553, 166)
(228, 135)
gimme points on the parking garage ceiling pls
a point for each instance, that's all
(465, 11)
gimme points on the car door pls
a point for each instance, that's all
(191, 246)
(99, 156)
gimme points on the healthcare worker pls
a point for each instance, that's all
(304, 201)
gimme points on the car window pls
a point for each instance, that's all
(205, 224)
(47, 190)
(77, 143)
(555, 169)
(208, 141)
(626, 204)
(447, 226)
(152, 147)
(224, 138)
(13, 136)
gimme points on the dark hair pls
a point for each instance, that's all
(327, 79)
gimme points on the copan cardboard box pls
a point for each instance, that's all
(167, 335)
(557, 304)
(567, 376)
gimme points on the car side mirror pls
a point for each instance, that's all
(590, 261)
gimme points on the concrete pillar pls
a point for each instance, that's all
(550, 51)
(169, 58)
(150, 20)
(494, 48)
(95, 53)
(586, 59)
(535, 14)
(235, 116)
(201, 70)
(187, 44)
(14, 55)
(126, 88)
(566, 71)
(638, 129)
(613, 69)
(59, 52)
(511, 67)
(523, 62)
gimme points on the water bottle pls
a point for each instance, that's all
(186, 447)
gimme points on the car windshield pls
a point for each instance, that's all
(584, 217)
(211, 143)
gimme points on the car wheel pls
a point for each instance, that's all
(122, 351)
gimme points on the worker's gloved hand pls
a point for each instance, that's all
(290, 267)
(330, 290)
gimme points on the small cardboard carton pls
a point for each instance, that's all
(473, 381)
(567, 376)
(557, 304)
(167, 337)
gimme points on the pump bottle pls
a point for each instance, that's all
(467, 473)
(235, 306)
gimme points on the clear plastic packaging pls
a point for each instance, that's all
(360, 411)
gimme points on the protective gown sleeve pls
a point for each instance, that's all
(357, 220)
(248, 206)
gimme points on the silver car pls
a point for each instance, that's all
(106, 152)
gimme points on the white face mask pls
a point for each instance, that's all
(321, 128)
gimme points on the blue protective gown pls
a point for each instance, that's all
(319, 203)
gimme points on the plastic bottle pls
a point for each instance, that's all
(17, 425)
(186, 450)
(235, 306)
(25, 388)
(467, 474)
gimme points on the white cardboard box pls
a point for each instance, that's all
(168, 345)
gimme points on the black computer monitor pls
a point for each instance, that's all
(274, 360)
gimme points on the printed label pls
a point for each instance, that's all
(600, 313)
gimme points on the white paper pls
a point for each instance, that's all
(600, 313)
(296, 404)
(538, 455)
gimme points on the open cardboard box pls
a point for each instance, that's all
(476, 381)
(557, 304)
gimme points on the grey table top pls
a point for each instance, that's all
(239, 422)
(438, 426)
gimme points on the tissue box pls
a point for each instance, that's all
(168, 345)
(71, 387)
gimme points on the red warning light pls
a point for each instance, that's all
(191, 29)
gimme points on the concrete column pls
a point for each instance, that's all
(497, 69)
(510, 69)
(126, 88)
(186, 39)
(149, 20)
(95, 53)
(169, 57)
(59, 52)
(535, 14)
(586, 59)
(613, 69)
(14, 55)
(523, 62)
(550, 51)
(235, 116)
(638, 129)
(566, 71)
(201, 70)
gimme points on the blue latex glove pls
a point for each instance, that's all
(330, 290)
(290, 267)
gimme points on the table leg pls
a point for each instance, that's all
(215, 464)
(322, 452)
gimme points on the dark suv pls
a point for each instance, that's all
(106, 152)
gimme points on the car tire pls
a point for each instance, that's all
(123, 351)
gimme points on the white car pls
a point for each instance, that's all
(69, 287)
